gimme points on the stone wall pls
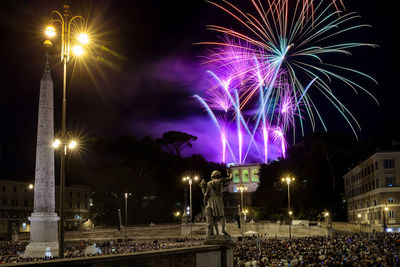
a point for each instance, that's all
(261, 227)
(204, 256)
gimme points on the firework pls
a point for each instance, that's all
(281, 59)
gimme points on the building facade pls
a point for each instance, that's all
(16, 205)
(372, 191)
(242, 175)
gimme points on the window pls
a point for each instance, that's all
(389, 181)
(372, 167)
(245, 176)
(254, 175)
(79, 195)
(388, 163)
(4, 202)
(376, 165)
(15, 189)
(26, 203)
(79, 205)
(392, 214)
(70, 194)
(235, 188)
(374, 202)
(4, 188)
(236, 178)
(24, 226)
(70, 205)
(377, 183)
(14, 202)
(78, 217)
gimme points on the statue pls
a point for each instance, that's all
(214, 206)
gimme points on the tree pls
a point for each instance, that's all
(176, 141)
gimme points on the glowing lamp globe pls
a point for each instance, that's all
(50, 31)
(83, 38)
(77, 50)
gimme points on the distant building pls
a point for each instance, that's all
(372, 186)
(16, 204)
(245, 175)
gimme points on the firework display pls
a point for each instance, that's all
(261, 79)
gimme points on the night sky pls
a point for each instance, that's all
(144, 82)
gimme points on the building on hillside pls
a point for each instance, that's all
(372, 191)
(245, 175)
(16, 205)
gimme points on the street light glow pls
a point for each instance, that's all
(30, 186)
(50, 31)
(56, 143)
(386, 208)
(326, 214)
(78, 50)
(72, 144)
(359, 215)
(83, 38)
(290, 213)
(288, 180)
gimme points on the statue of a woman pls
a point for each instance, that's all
(214, 208)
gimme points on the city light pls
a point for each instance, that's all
(288, 180)
(83, 38)
(77, 50)
(30, 186)
(50, 31)
(72, 144)
(56, 143)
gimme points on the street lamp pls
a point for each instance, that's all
(288, 181)
(327, 218)
(359, 218)
(242, 188)
(126, 212)
(65, 19)
(190, 182)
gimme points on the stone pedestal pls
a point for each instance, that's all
(44, 233)
(219, 240)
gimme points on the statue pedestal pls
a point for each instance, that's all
(44, 233)
(219, 240)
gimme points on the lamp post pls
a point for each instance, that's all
(65, 19)
(327, 219)
(359, 218)
(242, 188)
(126, 213)
(384, 218)
(66, 144)
(288, 181)
(190, 182)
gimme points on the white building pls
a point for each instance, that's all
(243, 175)
(372, 190)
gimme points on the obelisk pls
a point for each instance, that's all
(44, 220)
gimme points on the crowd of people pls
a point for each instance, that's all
(11, 252)
(376, 249)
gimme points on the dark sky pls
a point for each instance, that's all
(150, 71)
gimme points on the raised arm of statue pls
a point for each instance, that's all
(229, 178)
